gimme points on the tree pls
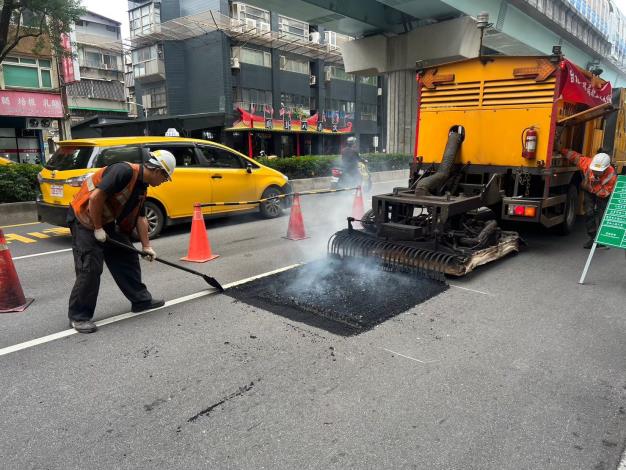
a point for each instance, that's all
(38, 19)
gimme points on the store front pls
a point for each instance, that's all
(256, 135)
(27, 119)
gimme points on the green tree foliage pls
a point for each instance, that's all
(39, 19)
(18, 182)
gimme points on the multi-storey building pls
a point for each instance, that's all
(100, 90)
(31, 108)
(221, 69)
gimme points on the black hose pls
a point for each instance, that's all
(431, 184)
(480, 239)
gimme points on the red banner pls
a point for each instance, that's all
(28, 104)
(577, 88)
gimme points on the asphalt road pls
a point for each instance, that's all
(515, 366)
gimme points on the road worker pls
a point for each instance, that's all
(350, 163)
(599, 179)
(110, 203)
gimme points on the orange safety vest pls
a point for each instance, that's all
(114, 204)
(602, 186)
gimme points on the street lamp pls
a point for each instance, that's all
(145, 115)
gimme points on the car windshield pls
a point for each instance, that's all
(69, 158)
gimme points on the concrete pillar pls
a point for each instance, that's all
(401, 111)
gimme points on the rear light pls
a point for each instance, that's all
(522, 211)
(76, 181)
(336, 172)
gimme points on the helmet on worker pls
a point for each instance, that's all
(162, 160)
(351, 141)
(600, 162)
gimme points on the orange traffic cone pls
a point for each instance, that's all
(11, 294)
(199, 246)
(295, 231)
(357, 207)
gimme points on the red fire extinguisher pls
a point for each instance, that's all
(529, 143)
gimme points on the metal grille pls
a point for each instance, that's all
(97, 89)
(517, 92)
(459, 95)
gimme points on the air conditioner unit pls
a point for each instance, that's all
(146, 100)
(234, 63)
(328, 75)
(283, 62)
(314, 37)
(264, 27)
(312, 80)
(32, 123)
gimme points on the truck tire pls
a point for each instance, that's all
(156, 219)
(571, 202)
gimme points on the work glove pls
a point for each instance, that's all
(100, 235)
(149, 253)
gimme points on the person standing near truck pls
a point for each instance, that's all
(110, 205)
(599, 179)
(350, 162)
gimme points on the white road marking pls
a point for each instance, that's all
(622, 463)
(473, 290)
(41, 254)
(401, 355)
(125, 316)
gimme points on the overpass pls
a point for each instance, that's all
(392, 35)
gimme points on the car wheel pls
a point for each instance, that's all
(155, 218)
(272, 208)
(570, 211)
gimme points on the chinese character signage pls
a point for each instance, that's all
(613, 228)
(24, 103)
(577, 88)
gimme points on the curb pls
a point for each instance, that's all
(310, 184)
(13, 213)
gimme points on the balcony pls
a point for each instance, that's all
(149, 71)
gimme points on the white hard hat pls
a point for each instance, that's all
(163, 159)
(351, 140)
(600, 162)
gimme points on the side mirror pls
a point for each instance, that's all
(248, 167)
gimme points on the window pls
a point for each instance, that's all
(293, 27)
(219, 158)
(142, 19)
(69, 158)
(119, 154)
(251, 16)
(339, 73)
(156, 96)
(252, 56)
(145, 61)
(369, 112)
(372, 80)
(251, 99)
(113, 29)
(26, 72)
(335, 40)
(294, 65)
(185, 155)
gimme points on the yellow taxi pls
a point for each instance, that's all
(205, 172)
(6, 161)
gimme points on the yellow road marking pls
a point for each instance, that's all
(14, 237)
(58, 230)
(38, 235)
(20, 225)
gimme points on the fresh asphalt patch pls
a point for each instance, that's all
(344, 297)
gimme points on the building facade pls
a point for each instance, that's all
(100, 90)
(31, 108)
(211, 63)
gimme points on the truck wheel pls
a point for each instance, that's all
(570, 211)
(155, 217)
(273, 208)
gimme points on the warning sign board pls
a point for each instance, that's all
(613, 228)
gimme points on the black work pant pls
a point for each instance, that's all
(89, 255)
(594, 211)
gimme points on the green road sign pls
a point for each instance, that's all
(613, 228)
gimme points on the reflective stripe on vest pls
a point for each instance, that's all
(113, 206)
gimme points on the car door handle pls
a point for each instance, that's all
(216, 177)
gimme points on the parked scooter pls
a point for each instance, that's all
(340, 180)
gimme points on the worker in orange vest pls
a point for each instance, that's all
(599, 179)
(109, 204)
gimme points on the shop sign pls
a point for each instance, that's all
(27, 104)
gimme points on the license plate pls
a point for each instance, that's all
(334, 179)
(56, 190)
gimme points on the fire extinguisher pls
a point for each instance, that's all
(529, 142)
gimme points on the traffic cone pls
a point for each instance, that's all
(199, 246)
(295, 231)
(357, 207)
(11, 294)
